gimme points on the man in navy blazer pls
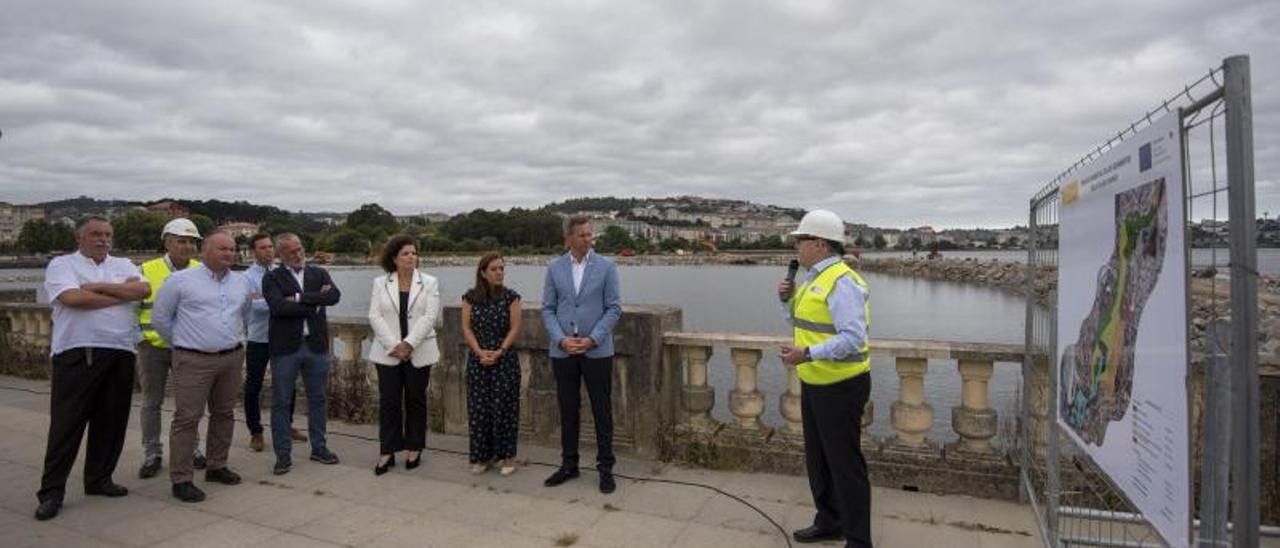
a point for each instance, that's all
(580, 307)
(298, 335)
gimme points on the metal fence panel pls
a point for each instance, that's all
(1076, 503)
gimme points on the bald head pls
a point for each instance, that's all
(219, 251)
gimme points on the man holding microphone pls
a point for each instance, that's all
(829, 314)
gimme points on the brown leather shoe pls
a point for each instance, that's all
(255, 443)
(297, 435)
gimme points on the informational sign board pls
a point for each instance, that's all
(1122, 322)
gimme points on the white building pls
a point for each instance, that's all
(12, 217)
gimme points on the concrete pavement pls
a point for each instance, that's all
(442, 504)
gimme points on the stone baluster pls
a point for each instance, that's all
(911, 416)
(789, 405)
(25, 326)
(745, 401)
(974, 419)
(15, 327)
(44, 337)
(699, 398)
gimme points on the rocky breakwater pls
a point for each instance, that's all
(1210, 293)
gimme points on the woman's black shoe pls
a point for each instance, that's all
(382, 468)
(410, 464)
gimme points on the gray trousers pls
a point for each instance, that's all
(154, 365)
(203, 381)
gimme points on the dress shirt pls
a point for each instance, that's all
(114, 326)
(297, 297)
(579, 270)
(198, 311)
(259, 313)
(847, 303)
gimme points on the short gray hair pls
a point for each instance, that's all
(285, 237)
(84, 221)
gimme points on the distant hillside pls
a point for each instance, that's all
(83, 204)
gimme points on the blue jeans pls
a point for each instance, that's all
(256, 357)
(314, 369)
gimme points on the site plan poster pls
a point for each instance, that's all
(1122, 322)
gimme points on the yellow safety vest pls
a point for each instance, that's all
(812, 324)
(155, 271)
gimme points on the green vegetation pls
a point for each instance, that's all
(42, 236)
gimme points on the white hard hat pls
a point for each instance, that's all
(822, 224)
(180, 227)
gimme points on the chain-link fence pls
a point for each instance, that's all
(1076, 502)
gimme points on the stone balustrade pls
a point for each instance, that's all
(665, 395)
(24, 343)
(907, 458)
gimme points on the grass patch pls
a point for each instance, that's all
(566, 539)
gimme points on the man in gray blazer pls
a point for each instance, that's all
(580, 306)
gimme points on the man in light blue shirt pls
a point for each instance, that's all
(201, 313)
(257, 350)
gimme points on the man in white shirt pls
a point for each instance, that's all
(95, 333)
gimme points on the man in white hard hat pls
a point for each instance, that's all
(155, 358)
(829, 314)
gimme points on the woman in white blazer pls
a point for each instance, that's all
(404, 309)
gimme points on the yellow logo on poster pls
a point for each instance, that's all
(1071, 192)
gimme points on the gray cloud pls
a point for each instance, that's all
(896, 115)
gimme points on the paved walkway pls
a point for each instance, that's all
(442, 504)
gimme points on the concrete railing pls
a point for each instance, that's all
(909, 457)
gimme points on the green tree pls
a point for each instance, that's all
(615, 239)
(344, 240)
(879, 242)
(373, 221)
(42, 236)
(295, 224)
(203, 223)
(436, 243)
(673, 244)
(139, 230)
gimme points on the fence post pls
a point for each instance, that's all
(1216, 455)
(1244, 299)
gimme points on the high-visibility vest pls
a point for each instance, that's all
(811, 324)
(156, 271)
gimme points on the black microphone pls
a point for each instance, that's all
(792, 267)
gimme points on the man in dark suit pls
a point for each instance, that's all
(580, 307)
(298, 334)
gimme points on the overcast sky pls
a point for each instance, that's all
(894, 114)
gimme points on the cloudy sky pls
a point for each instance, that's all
(891, 113)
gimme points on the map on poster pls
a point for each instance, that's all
(1122, 322)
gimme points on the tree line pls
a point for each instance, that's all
(364, 231)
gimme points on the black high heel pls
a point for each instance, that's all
(410, 464)
(381, 469)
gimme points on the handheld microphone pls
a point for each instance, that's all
(792, 267)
